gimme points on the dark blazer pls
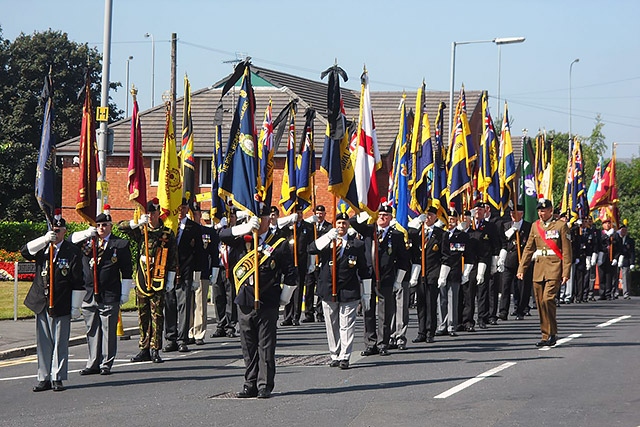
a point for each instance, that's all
(113, 264)
(352, 266)
(511, 261)
(304, 235)
(67, 276)
(436, 251)
(487, 239)
(210, 250)
(626, 248)
(190, 250)
(460, 247)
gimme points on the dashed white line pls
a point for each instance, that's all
(561, 341)
(612, 321)
(472, 381)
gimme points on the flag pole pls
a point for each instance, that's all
(334, 256)
(256, 273)
(51, 272)
(94, 249)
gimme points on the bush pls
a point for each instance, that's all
(14, 235)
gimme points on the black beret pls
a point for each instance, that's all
(153, 205)
(320, 208)
(60, 223)
(264, 210)
(343, 216)
(103, 218)
(433, 210)
(274, 209)
(384, 208)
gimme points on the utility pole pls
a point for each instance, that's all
(174, 62)
(103, 117)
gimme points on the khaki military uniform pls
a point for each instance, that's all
(548, 268)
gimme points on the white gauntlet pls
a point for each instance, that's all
(444, 272)
(415, 273)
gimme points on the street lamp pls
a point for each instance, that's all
(153, 66)
(126, 85)
(498, 41)
(570, 69)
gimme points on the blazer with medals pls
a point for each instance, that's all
(278, 264)
(304, 235)
(460, 247)
(547, 265)
(67, 277)
(351, 265)
(510, 244)
(114, 264)
(436, 251)
(488, 241)
(190, 250)
(626, 247)
(210, 250)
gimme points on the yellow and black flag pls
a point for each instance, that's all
(187, 161)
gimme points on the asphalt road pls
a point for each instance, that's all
(495, 377)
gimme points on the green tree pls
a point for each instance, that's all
(24, 63)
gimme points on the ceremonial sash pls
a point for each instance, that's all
(246, 268)
(552, 245)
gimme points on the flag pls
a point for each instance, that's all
(187, 161)
(507, 164)
(488, 171)
(169, 184)
(544, 166)
(458, 176)
(86, 202)
(336, 157)
(401, 177)
(46, 166)
(137, 181)
(239, 172)
(578, 205)
(265, 156)
(439, 173)
(421, 155)
(218, 206)
(607, 193)
(306, 163)
(528, 193)
(289, 183)
(366, 157)
(595, 181)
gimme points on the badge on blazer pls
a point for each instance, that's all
(456, 247)
(272, 264)
(241, 271)
(551, 234)
(63, 265)
(114, 257)
(352, 261)
(389, 248)
(206, 239)
(485, 237)
(436, 247)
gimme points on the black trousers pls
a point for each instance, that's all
(258, 332)
(507, 284)
(483, 293)
(427, 307)
(177, 311)
(580, 282)
(495, 285)
(522, 293)
(293, 310)
(310, 310)
(469, 291)
(224, 292)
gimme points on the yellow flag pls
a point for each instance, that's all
(169, 182)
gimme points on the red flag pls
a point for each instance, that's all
(137, 181)
(86, 202)
(607, 193)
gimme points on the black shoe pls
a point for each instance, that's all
(393, 346)
(294, 323)
(89, 371)
(263, 393)
(191, 341)
(514, 313)
(370, 351)
(172, 346)
(419, 338)
(199, 342)
(105, 371)
(429, 339)
(155, 356)
(502, 316)
(552, 341)
(143, 356)
(42, 386)
(182, 348)
(493, 322)
(334, 363)
(441, 333)
(482, 325)
(542, 343)
(453, 334)
(286, 323)
(344, 364)
(383, 352)
(231, 334)
(247, 392)
(460, 328)
(402, 347)
(218, 334)
(319, 318)
(308, 319)
(57, 386)
(469, 328)
(519, 317)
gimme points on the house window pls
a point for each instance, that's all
(155, 171)
(205, 172)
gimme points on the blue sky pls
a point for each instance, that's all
(400, 42)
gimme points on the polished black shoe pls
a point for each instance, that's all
(247, 392)
(155, 356)
(441, 333)
(519, 317)
(334, 363)
(482, 325)
(419, 338)
(383, 352)
(105, 371)
(42, 386)
(182, 348)
(218, 333)
(90, 371)
(460, 328)
(308, 319)
(295, 323)
(393, 346)
(402, 346)
(191, 341)
(514, 313)
(369, 351)
(344, 364)
(552, 341)
(171, 346)
(502, 316)
(57, 386)
(263, 393)
(469, 328)
(542, 343)
(319, 318)
(143, 356)
(231, 334)
(429, 339)
(286, 323)
(493, 322)
(199, 342)
(453, 334)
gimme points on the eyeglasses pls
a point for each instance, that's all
(103, 224)
(56, 230)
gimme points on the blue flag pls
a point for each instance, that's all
(306, 163)
(45, 169)
(218, 206)
(401, 166)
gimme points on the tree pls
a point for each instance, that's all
(23, 65)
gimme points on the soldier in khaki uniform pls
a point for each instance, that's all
(549, 246)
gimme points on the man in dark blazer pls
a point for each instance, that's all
(178, 301)
(312, 309)
(53, 323)
(114, 273)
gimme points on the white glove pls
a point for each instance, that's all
(610, 232)
(632, 267)
(41, 242)
(365, 291)
(620, 260)
(614, 262)
(313, 219)
(287, 220)
(363, 217)
(351, 231)
(444, 272)
(397, 285)
(465, 273)
(80, 236)
(144, 219)
(312, 264)
(417, 221)
(125, 290)
(494, 265)
(222, 223)
(510, 232)
(214, 274)
(324, 240)
(463, 226)
(169, 283)
(501, 259)
(287, 292)
(439, 224)
(76, 303)
(240, 215)
(246, 228)
(482, 268)
(195, 283)
(516, 225)
(415, 274)
(594, 258)
(587, 263)
(600, 258)
(577, 261)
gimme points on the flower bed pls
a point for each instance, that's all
(7, 272)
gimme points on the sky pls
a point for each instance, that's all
(401, 44)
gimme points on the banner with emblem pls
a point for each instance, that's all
(169, 184)
(86, 201)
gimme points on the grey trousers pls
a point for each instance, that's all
(448, 313)
(177, 312)
(52, 342)
(340, 323)
(101, 321)
(400, 319)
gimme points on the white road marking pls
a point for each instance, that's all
(472, 381)
(561, 341)
(612, 321)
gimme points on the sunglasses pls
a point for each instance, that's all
(102, 224)
(57, 230)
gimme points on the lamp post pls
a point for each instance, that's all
(126, 86)
(153, 66)
(570, 69)
(498, 41)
